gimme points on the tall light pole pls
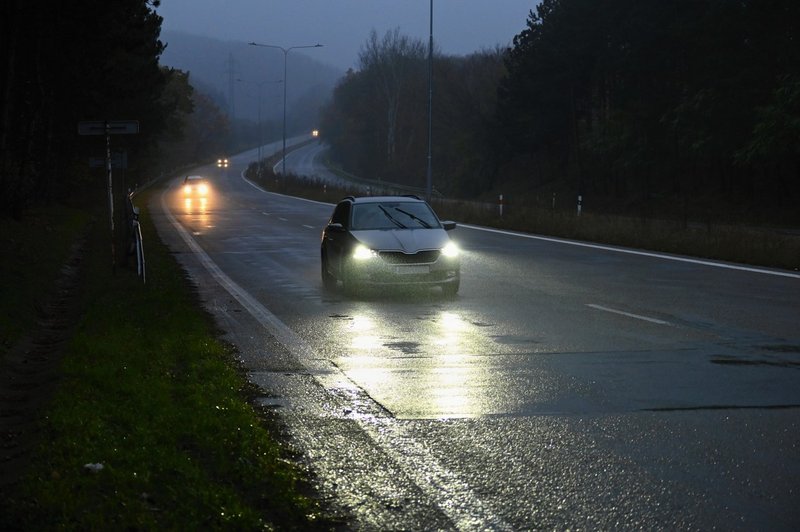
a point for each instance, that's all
(285, 83)
(429, 178)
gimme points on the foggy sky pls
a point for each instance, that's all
(342, 26)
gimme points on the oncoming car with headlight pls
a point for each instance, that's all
(388, 240)
(195, 185)
(222, 163)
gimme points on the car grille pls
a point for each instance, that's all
(398, 257)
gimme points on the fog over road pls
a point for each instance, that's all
(566, 386)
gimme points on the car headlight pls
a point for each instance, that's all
(203, 189)
(450, 250)
(187, 189)
(363, 252)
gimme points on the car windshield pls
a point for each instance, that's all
(393, 215)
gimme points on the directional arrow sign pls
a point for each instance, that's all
(111, 127)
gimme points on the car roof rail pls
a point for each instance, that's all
(412, 196)
(351, 198)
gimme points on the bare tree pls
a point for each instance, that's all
(390, 62)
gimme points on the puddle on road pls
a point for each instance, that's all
(516, 340)
(408, 348)
(731, 361)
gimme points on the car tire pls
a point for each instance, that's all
(349, 283)
(328, 280)
(451, 289)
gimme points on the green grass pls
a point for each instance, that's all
(148, 391)
(32, 251)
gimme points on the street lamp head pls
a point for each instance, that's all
(285, 60)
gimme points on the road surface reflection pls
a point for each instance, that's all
(436, 377)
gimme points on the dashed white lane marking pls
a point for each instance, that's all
(309, 226)
(454, 497)
(282, 219)
(628, 314)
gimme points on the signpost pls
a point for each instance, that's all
(119, 160)
(108, 128)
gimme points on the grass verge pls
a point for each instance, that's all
(33, 250)
(148, 392)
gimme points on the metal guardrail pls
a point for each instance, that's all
(136, 246)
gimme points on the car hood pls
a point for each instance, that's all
(405, 240)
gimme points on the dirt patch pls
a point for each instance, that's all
(30, 371)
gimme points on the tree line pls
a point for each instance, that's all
(642, 106)
(93, 60)
(376, 123)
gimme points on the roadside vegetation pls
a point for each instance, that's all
(34, 249)
(151, 424)
(656, 109)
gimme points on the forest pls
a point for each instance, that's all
(677, 108)
(91, 61)
(652, 108)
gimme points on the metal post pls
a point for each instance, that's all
(110, 195)
(429, 178)
(285, 82)
(285, 60)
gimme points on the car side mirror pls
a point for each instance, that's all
(448, 226)
(335, 228)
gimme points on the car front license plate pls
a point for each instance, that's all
(412, 270)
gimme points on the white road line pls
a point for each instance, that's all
(309, 226)
(636, 252)
(282, 219)
(255, 186)
(447, 491)
(628, 314)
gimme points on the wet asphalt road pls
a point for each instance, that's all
(565, 387)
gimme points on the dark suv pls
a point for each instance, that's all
(388, 240)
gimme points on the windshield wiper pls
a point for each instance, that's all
(414, 217)
(391, 218)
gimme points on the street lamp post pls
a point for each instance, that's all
(429, 178)
(285, 83)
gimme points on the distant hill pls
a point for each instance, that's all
(233, 72)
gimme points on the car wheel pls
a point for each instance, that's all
(328, 280)
(451, 289)
(349, 283)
